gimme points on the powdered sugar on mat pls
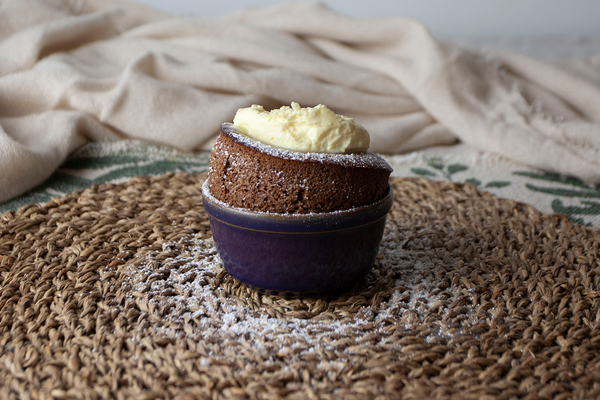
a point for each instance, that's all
(196, 300)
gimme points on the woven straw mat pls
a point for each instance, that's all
(117, 291)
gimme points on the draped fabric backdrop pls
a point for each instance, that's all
(72, 72)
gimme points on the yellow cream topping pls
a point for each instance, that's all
(310, 129)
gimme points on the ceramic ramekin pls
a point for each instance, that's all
(297, 254)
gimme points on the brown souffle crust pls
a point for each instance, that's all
(246, 174)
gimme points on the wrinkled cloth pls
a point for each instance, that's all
(72, 72)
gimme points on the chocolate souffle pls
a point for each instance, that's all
(247, 174)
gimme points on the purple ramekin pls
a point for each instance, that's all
(297, 255)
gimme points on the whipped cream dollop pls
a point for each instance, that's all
(311, 129)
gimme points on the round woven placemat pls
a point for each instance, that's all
(117, 292)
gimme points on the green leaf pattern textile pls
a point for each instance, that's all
(110, 162)
(114, 162)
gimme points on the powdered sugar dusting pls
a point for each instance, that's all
(364, 159)
(188, 287)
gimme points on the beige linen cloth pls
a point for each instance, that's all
(78, 71)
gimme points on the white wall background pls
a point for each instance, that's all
(445, 18)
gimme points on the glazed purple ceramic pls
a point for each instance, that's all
(297, 254)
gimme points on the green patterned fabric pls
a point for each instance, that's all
(110, 162)
(114, 162)
(548, 192)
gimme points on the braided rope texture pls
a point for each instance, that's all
(117, 291)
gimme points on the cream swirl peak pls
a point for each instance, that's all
(311, 129)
